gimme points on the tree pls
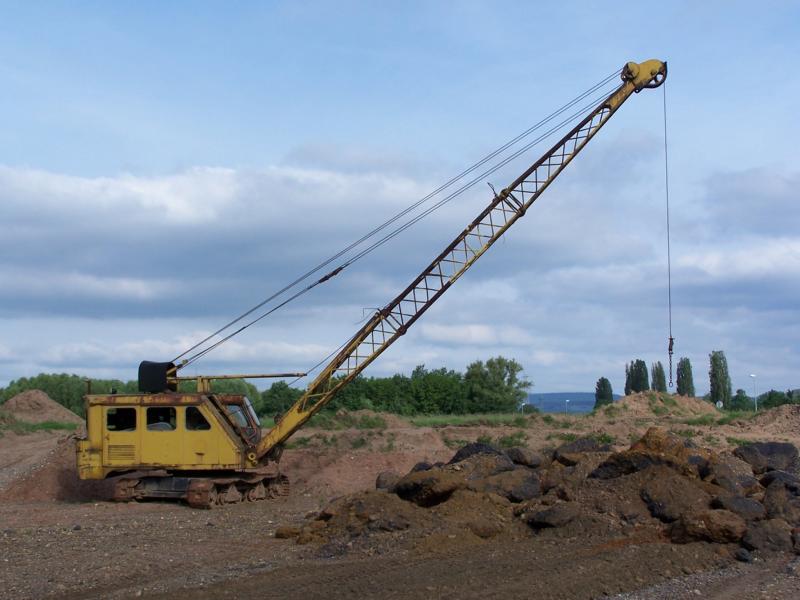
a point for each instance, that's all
(495, 386)
(685, 380)
(627, 379)
(277, 399)
(772, 398)
(719, 380)
(603, 394)
(636, 378)
(741, 401)
(659, 383)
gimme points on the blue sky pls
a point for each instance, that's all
(164, 167)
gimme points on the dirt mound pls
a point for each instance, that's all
(55, 477)
(34, 406)
(781, 420)
(392, 421)
(646, 404)
(662, 487)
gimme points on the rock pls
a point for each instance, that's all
(769, 456)
(557, 515)
(572, 453)
(718, 526)
(387, 480)
(796, 539)
(743, 555)
(771, 535)
(480, 466)
(733, 474)
(668, 495)
(484, 528)
(782, 503)
(518, 485)
(657, 447)
(525, 457)
(421, 466)
(287, 531)
(747, 508)
(435, 485)
(473, 449)
(428, 488)
(791, 482)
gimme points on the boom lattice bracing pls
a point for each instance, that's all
(392, 321)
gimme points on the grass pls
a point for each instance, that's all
(454, 443)
(702, 421)
(711, 419)
(303, 442)
(509, 441)
(733, 441)
(389, 445)
(488, 420)
(605, 438)
(687, 433)
(564, 437)
(733, 415)
(358, 442)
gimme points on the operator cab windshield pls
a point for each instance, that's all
(245, 417)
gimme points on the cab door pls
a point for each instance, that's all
(161, 440)
(120, 436)
(200, 437)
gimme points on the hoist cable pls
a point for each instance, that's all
(669, 249)
(395, 218)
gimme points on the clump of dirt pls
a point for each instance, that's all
(34, 406)
(661, 488)
(55, 477)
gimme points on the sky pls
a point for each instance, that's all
(164, 167)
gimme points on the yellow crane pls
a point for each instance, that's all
(209, 449)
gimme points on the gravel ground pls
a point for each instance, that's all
(778, 578)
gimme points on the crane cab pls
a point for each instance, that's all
(169, 431)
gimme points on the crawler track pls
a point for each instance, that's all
(202, 492)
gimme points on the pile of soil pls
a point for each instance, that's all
(661, 488)
(54, 477)
(34, 406)
(645, 404)
(782, 420)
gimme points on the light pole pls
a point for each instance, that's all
(566, 406)
(755, 396)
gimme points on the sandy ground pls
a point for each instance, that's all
(60, 538)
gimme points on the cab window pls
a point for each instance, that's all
(161, 418)
(237, 414)
(195, 421)
(121, 419)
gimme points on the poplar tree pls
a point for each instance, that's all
(719, 379)
(659, 379)
(685, 384)
(603, 394)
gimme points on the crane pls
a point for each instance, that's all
(208, 448)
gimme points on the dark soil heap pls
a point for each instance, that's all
(661, 489)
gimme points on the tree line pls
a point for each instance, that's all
(638, 379)
(494, 385)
